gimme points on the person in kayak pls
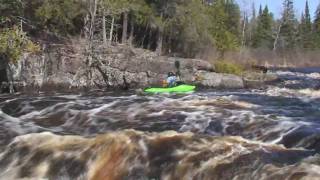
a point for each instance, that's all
(171, 80)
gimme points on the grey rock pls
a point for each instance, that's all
(116, 66)
(215, 80)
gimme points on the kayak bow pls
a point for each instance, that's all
(177, 89)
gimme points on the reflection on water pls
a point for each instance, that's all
(277, 129)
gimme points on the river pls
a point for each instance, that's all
(267, 133)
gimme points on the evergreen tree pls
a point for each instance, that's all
(288, 29)
(305, 29)
(232, 10)
(263, 34)
(260, 10)
(10, 10)
(253, 9)
(316, 28)
(186, 31)
(308, 18)
(223, 39)
(60, 16)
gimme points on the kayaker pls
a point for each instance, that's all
(171, 79)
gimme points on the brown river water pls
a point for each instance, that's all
(271, 133)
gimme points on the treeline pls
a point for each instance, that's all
(176, 27)
(287, 33)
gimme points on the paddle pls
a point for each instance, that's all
(177, 65)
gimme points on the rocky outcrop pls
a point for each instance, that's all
(258, 79)
(215, 80)
(141, 68)
(114, 66)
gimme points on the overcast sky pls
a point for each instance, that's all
(276, 5)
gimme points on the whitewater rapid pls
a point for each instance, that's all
(268, 133)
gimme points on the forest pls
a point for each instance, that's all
(183, 28)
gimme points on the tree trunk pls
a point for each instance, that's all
(86, 26)
(89, 59)
(277, 37)
(243, 38)
(150, 39)
(10, 79)
(111, 30)
(124, 28)
(160, 40)
(244, 30)
(144, 35)
(93, 13)
(131, 33)
(222, 53)
(3, 73)
(104, 30)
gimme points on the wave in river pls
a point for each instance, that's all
(271, 133)
(167, 155)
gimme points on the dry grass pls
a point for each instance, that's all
(228, 68)
(268, 58)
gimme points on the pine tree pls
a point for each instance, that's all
(260, 10)
(316, 28)
(308, 18)
(263, 35)
(59, 16)
(305, 29)
(223, 38)
(288, 29)
(232, 10)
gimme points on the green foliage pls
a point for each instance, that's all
(10, 10)
(188, 27)
(59, 15)
(288, 29)
(116, 7)
(228, 68)
(220, 29)
(316, 28)
(141, 11)
(263, 33)
(308, 23)
(13, 43)
(232, 11)
(305, 30)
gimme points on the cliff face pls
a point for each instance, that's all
(113, 66)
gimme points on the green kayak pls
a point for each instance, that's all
(177, 89)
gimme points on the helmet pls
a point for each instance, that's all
(170, 74)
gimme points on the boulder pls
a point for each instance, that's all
(259, 79)
(216, 80)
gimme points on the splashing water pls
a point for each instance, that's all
(245, 134)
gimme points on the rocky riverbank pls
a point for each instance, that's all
(64, 66)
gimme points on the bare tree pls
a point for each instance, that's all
(104, 29)
(244, 26)
(93, 5)
(124, 27)
(111, 30)
(277, 37)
